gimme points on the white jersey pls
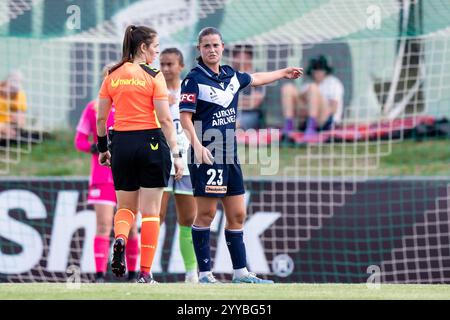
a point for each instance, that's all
(331, 88)
(182, 140)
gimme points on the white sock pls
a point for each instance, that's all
(191, 273)
(204, 273)
(240, 273)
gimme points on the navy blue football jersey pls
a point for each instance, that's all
(213, 100)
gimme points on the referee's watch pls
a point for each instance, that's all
(179, 154)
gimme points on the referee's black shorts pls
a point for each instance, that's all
(140, 159)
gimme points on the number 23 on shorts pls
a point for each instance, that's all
(213, 174)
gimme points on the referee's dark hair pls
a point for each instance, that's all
(206, 32)
(132, 40)
(175, 51)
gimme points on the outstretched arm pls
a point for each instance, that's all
(262, 78)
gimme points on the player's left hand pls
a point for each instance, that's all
(179, 168)
(104, 159)
(293, 73)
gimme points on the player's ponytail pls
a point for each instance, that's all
(206, 32)
(133, 38)
(128, 42)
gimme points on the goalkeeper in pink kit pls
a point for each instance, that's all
(102, 196)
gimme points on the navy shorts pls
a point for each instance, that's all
(216, 180)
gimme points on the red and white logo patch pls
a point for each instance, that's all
(188, 98)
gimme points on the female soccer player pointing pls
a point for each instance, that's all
(140, 156)
(209, 96)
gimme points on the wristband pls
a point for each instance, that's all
(177, 155)
(102, 144)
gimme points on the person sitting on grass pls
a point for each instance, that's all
(320, 101)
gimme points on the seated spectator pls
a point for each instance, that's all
(320, 101)
(13, 104)
(249, 112)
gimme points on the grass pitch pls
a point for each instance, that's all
(178, 291)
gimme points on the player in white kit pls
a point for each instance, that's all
(171, 65)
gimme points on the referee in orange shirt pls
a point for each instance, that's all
(140, 155)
